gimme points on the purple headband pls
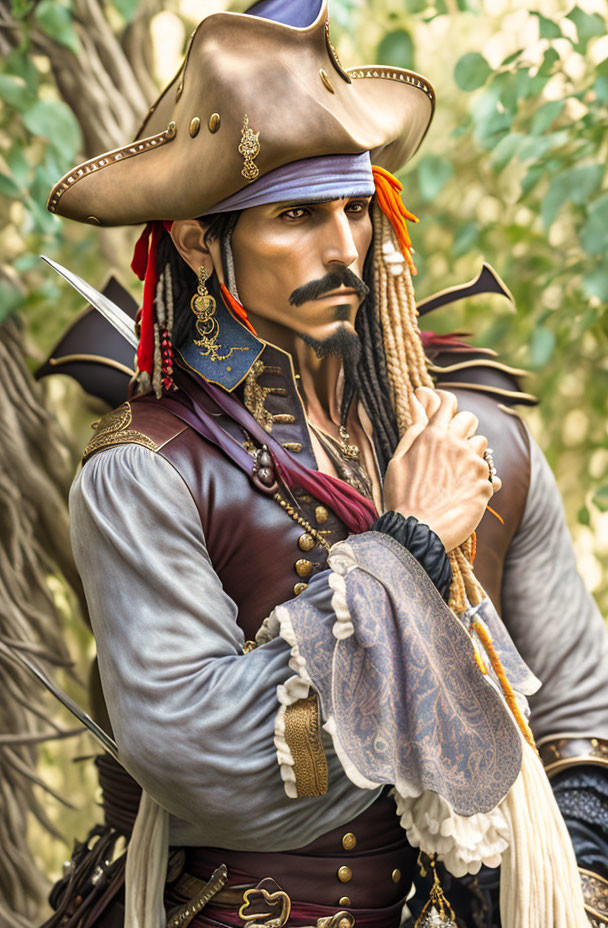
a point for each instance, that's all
(327, 177)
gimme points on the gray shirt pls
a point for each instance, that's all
(194, 717)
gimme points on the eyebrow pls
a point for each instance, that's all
(320, 202)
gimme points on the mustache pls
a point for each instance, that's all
(315, 288)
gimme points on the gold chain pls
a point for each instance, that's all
(290, 510)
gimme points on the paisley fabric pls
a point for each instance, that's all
(403, 695)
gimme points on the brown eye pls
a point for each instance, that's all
(296, 212)
(357, 206)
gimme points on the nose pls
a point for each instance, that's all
(339, 244)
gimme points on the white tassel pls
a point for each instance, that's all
(540, 885)
(146, 867)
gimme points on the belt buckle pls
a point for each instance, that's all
(261, 898)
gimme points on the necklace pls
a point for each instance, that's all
(351, 452)
(346, 460)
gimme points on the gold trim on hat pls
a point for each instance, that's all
(110, 157)
(394, 74)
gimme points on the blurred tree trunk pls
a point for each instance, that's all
(109, 87)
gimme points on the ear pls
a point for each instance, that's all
(188, 236)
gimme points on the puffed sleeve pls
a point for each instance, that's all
(553, 619)
(192, 715)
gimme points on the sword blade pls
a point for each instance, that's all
(107, 743)
(116, 316)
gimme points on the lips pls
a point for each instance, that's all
(340, 292)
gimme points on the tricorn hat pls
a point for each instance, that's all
(252, 95)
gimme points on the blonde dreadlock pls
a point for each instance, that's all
(407, 370)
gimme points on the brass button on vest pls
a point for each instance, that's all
(349, 841)
(321, 514)
(299, 588)
(306, 542)
(303, 567)
(396, 875)
(345, 874)
(344, 900)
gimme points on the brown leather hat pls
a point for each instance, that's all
(252, 95)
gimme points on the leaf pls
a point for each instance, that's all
(576, 185)
(542, 346)
(505, 150)
(594, 235)
(545, 115)
(22, 65)
(20, 8)
(56, 21)
(18, 165)
(550, 59)
(588, 26)
(396, 49)
(601, 88)
(433, 173)
(489, 132)
(546, 27)
(416, 6)
(10, 299)
(531, 179)
(596, 284)
(536, 146)
(55, 121)
(8, 187)
(471, 71)
(600, 499)
(466, 239)
(584, 516)
(127, 8)
(14, 91)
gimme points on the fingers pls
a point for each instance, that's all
(446, 410)
(464, 424)
(418, 410)
(429, 400)
(478, 443)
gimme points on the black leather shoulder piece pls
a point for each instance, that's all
(456, 364)
(473, 370)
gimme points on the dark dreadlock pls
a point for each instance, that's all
(368, 379)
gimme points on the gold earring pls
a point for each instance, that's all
(203, 306)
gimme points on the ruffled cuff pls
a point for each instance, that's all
(422, 543)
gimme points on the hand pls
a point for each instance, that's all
(438, 473)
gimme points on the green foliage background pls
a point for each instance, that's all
(513, 171)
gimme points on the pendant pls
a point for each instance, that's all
(437, 912)
(350, 451)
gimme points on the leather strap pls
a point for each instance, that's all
(560, 752)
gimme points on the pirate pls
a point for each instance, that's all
(277, 532)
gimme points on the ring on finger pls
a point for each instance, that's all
(489, 459)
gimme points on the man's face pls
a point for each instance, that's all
(301, 265)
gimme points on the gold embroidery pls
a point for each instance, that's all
(249, 148)
(303, 737)
(113, 429)
(255, 397)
